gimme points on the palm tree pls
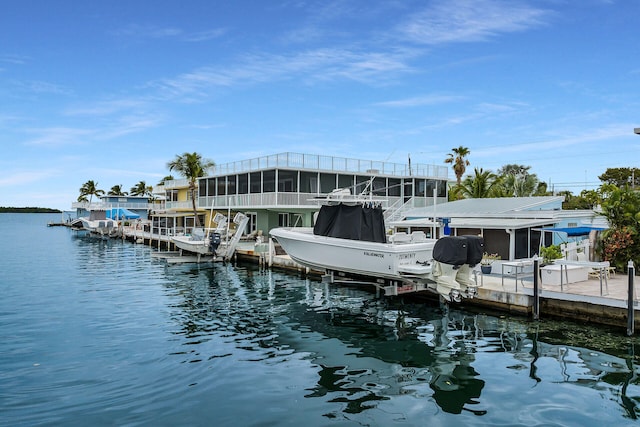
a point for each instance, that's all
(141, 189)
(116, 190)
(518, 182)
(192, 166)
(459, 162)
(89, 188)
(479, 186)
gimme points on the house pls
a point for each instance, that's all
(284, 189)
(513, 228)
(139, 205)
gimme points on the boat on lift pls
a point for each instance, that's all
(349, 239)
(219, 242)
(97, 223)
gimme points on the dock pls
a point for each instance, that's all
(588, 301)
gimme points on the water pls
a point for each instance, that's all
(98, 333)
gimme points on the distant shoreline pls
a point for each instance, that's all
(28, 210)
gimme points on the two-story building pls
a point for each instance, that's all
(285, 189)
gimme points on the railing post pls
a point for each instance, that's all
(631, 300)
(536, 290)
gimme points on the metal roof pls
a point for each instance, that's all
(490, 206)
(498, 223)
(489, 223)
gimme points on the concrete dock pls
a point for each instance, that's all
(588, 301)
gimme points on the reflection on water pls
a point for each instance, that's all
(99, 333)
(368, 351)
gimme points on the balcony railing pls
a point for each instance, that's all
(179, 205)
(266, 200)
(329, 164)
(176, 183)
(110, 205)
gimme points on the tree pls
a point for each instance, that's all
(141, 189)
(621, 242)
(588, 199)
(516, 181)
(116, 190)
(192, 166)
(89, 188)
(480, 185)
(621, 177)
(458, 160)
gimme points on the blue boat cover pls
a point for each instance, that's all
(121, 213)
(573, 231)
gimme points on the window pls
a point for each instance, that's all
(243, 183)
(327, 182)
(252, 225)
(256, 182)
(379, 186)
(394, 189)
(298, 220)
(211, 186)
(172, 195)
(222, 186)
(269, 183)
(231, 184)
(345, 181)
(361, 184)
(283, 220)
(442, 188)
(308, 182)
(287, 181)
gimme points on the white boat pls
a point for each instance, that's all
(352, 240)
(210, 241)
(97, 223)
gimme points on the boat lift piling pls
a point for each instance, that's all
(630, 300)
(536, 288)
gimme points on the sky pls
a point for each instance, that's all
(111, 91)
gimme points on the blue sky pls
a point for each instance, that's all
(113, 90)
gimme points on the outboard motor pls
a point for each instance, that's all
(455, 256)
(214, 242)
(449, 253)
(475, 249)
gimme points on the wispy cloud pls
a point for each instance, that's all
(128, 125)
(54, 137)
(107, 107)
(205, 35)
(308, 66)
(593, 135)
(59, 136)
(137, 31)
(420, 101)
(451, 21)
(40, 87)
(13, 59)
(147, 31)
(19, 179)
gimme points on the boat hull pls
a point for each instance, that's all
(380, 260)
(186, 243)
(103, 227)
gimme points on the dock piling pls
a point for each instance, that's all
(631, 300)
(536, 288)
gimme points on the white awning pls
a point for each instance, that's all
(489, 223)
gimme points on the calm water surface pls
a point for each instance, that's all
(98, 333)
